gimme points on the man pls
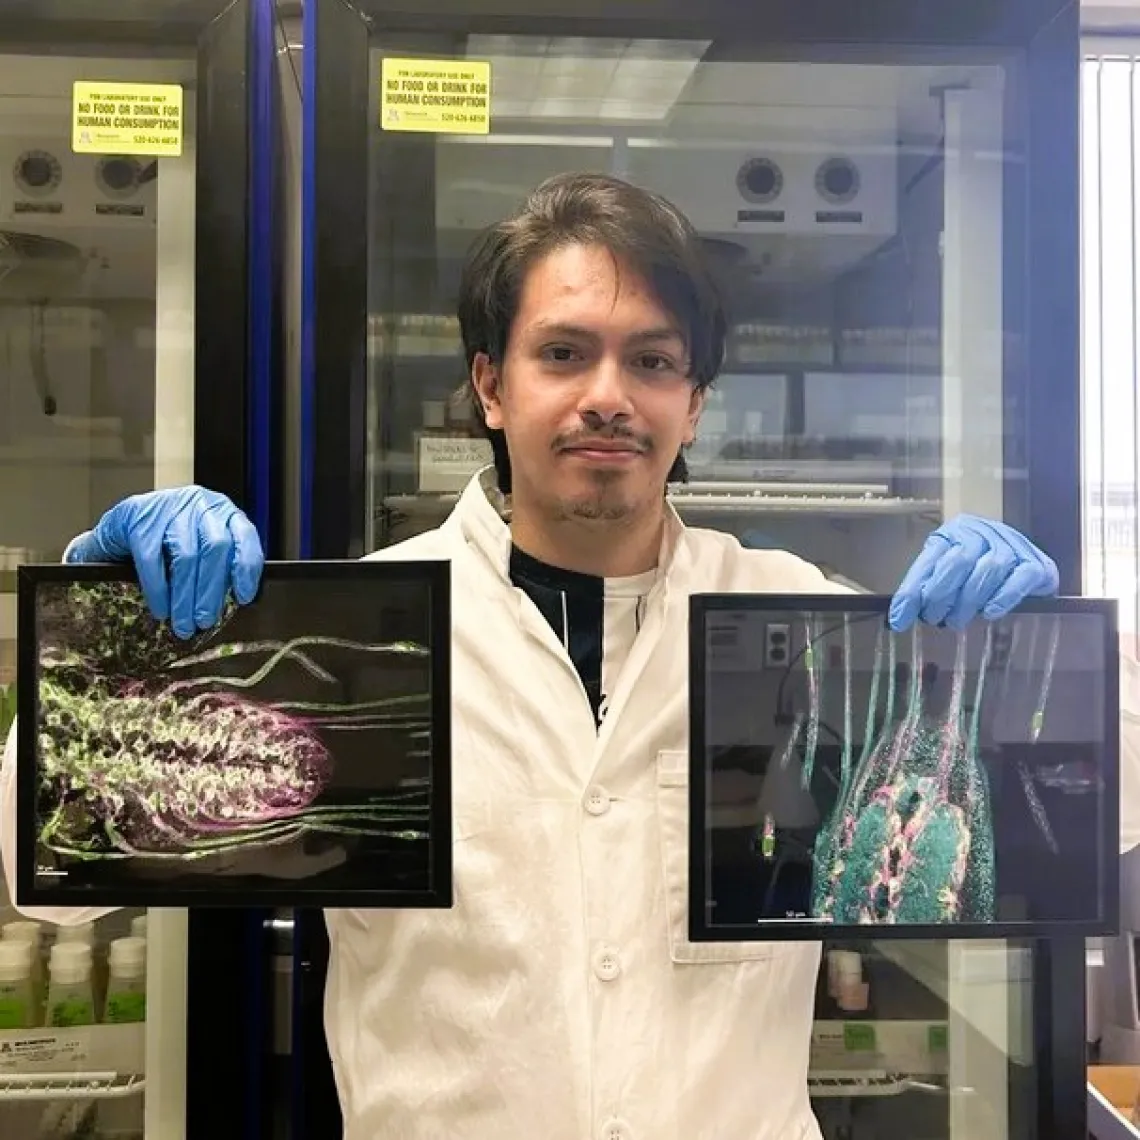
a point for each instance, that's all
(560, 997)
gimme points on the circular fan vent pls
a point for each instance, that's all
(760, 181)
(119, 177)
(837, 181)
(37, 173)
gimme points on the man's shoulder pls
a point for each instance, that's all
(720, 563)
(429, 545)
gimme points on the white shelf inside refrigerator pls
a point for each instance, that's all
(878, 1084)
(70, 1086)
(770, 503)
(87, 1062)
(725, 503)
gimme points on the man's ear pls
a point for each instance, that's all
(696, 406)
(485, 381)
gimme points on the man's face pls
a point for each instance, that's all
(594, 395)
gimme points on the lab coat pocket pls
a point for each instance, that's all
(673, 821)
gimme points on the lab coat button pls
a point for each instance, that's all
(597, 801)
(606, 963)
(616, 1130)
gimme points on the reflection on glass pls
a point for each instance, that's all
(79, 326)
(743, 424)
(854, 213)
(78, 244)
(889, 1024)
(96, 288)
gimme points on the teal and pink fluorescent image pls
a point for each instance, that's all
(847, 777)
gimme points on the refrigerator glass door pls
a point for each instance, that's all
(111, 211)
(96, 319)
(870, 216)
(895, 227)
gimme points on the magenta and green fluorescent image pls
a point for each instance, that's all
(252, 735)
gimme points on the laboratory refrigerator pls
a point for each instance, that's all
(889, 194)
(138, 326)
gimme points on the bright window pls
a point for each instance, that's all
(1111, 324)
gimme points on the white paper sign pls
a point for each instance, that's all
(447, 463)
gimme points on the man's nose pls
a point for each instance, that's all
(606, 394)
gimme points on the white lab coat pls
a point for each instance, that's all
(561, 997)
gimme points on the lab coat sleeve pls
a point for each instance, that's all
(60, 916)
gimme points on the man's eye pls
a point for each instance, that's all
(559, 353)
(655, 362)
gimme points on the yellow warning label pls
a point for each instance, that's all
(436, 96)
(127, 118)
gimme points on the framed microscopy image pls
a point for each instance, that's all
(296, 754)
(847, 781)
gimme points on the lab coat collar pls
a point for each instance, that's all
(482, 516)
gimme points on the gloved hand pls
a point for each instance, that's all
(969, 566)
(189, 546)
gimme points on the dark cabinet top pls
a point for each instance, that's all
(141, 21)
(870, 22)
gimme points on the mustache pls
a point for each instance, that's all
(617, 433)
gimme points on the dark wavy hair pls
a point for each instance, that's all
(642, 230)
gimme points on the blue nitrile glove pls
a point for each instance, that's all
(970, 566)
(189, 547)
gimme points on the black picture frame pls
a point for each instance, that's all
(701, 929)
(372, 575)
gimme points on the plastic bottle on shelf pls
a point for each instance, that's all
(22, 931)
(71, 996)
(84, 933)
(7, 708)
(126, 981)
(138, 926)
(30, 933)
(18, 1009)
(845, 980)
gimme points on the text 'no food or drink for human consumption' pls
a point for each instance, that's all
(127, 118)
(436, 96)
